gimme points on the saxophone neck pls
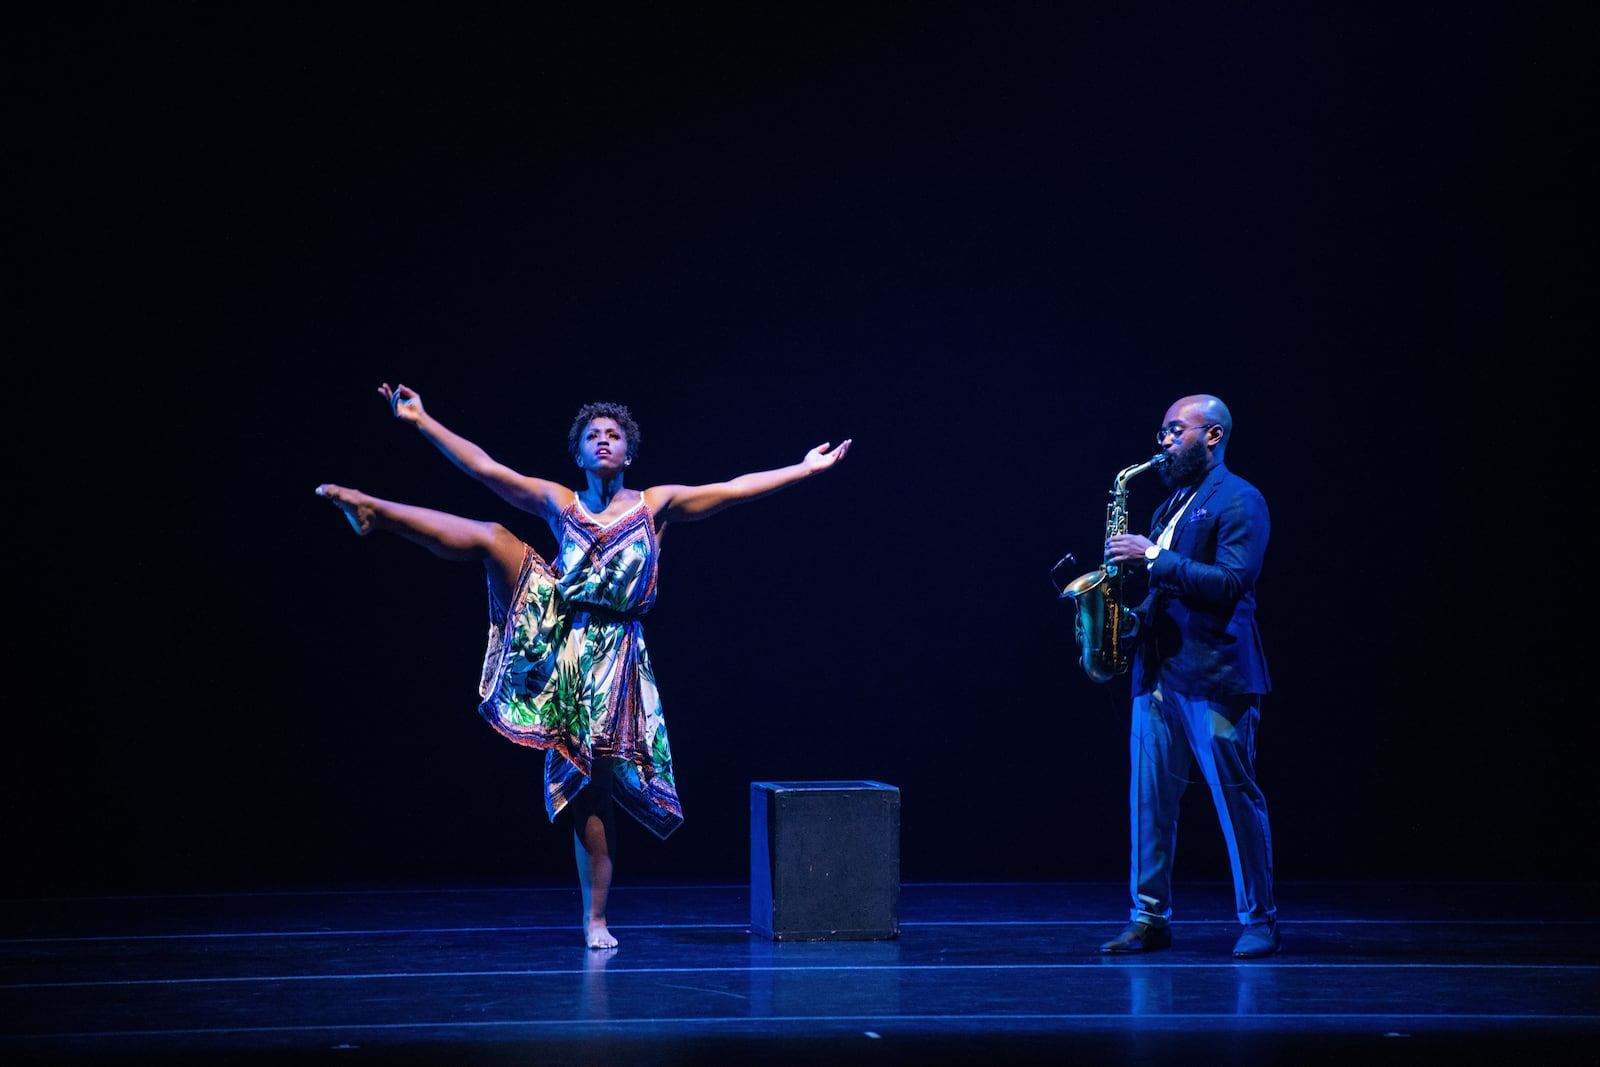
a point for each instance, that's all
(1126, 473)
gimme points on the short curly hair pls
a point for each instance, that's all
(616, 412)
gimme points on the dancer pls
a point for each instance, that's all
(566, 669)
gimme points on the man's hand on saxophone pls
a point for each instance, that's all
(1126, 548)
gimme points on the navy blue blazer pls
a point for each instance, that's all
(1198, 619)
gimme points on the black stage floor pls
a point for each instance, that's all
(995, 974)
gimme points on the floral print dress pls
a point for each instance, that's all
(566, 668)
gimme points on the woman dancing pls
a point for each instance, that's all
(566, 668)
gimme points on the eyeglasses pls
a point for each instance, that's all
(1178, 429)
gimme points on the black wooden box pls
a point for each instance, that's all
(825, 860)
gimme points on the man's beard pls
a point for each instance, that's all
(1185, 467)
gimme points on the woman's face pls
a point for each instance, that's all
(603, 448)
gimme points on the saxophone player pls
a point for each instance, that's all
(1198, 677)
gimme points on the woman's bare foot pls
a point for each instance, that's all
(353, 504)
(596, 935)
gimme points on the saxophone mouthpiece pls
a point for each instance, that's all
(1159, 459)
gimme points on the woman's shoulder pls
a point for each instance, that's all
(659, 497)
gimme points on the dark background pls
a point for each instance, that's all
(989, 242)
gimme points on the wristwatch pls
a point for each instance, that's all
(1151, 553)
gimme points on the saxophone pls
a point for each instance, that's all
(1103, 623)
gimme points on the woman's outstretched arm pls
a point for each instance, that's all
(537, 496)
(686, 503)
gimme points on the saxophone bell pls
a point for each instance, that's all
(1103, 624)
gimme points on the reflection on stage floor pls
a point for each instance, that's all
(990, 973)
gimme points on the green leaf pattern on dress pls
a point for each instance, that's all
(574, 678)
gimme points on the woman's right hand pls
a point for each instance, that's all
(404, 401)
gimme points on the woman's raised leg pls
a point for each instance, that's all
(445, 535)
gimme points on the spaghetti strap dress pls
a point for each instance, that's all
(566, 669)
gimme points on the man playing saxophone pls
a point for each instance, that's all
(1198, 677)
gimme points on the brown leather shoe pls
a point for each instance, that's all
(1139, 937)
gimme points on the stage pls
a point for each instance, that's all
(980, 973)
